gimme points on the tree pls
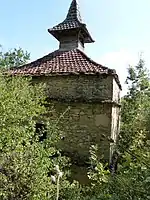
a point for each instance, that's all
(13, 58)
(27, 163)
(135, 113)
(132, 179)
(21, 157)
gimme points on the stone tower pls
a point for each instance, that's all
(92, 91)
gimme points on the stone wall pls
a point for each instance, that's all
(83, 125)
(87, 88)
(70, 42)
(115, 125)
(115, 117)
(116, 92)
(90, 120)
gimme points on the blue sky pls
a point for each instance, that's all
(120, 28)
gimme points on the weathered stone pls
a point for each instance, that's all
(85, 88)
(102, 120)
(88, 117)
(85, 94)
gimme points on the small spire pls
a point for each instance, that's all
(74, 12)
(72, 32)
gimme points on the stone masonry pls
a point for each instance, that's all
(84, 93)
(93, 114)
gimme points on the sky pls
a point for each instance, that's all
(120, 28)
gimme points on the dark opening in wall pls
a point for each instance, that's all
(41, 131)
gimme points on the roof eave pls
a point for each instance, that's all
(53, 33)
(88, 35)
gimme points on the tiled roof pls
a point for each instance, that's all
(63, 63)
(72, 21)
(74, 12)
(66, 25)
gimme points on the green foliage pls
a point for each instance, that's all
(13, 58)
(21, 157)
(25, 164)
(135, 112)
(28, 167)
(132, 179)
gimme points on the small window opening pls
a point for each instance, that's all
(41, 131)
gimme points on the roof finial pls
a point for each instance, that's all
(74, 12)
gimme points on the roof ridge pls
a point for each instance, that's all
(91, 60)
(110, 71)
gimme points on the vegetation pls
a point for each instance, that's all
(26, 165)
(29, 168)
(13, 58)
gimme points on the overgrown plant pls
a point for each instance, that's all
(27, 165)
(13, 58)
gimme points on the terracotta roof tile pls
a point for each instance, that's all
(63, 63)
(74, 12)
(73, 21)
(66, 25)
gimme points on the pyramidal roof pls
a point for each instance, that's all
(66, 62)
(73, 62)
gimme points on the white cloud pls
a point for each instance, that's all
(119, 61)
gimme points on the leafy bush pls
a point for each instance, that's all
(28, 165)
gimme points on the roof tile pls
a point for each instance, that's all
(63, 63)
